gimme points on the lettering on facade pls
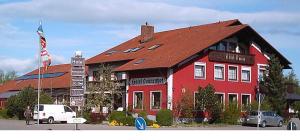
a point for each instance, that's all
(147, 81)
(229, 57)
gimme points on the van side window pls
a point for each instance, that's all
(67, 109)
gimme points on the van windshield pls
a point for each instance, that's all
(253, 113)
(41, 108)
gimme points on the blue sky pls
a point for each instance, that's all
(94, 26)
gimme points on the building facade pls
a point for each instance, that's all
(55, 81)
(158, 67)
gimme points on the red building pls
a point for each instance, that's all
(157, 67)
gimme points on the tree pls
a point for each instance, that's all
(273, 85)
(291, 79)
(104, 89)
(185, 105)
(206, 100)
(10, 75)
(17, 104)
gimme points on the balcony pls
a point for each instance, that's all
(229, 57)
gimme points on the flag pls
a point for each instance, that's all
(45, 56)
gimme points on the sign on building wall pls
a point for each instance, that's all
(147, 81)
(228, 57)
(77, 80)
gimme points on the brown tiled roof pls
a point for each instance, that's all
(176, 45)
(47, 83)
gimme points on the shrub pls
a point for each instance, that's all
(207, 100)
(27, 97)
(87, 116)
(3, 114)
(117, 116)
(231, 115)
(129, 121)
(164, 117)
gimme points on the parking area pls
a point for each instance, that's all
(20, 125)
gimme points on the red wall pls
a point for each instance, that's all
(183, 77)
(148, 88)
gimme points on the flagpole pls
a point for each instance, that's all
(39, 80)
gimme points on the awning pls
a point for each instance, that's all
(6, 95)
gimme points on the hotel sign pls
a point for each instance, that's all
(147, 81)
(77, 81)
(229, 57)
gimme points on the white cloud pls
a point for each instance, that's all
(132, 11)
(23, 66)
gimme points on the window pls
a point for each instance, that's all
(262, 70)
(111, 52)
(221, 98)
(246, 100)
(219, 72)
(67, 109)
(154, 47)
(138, 100)
(246, 74)
(199, 70)
(222, 46)
(232, 98)
(231, 47)
(155, 100)
(139, 61)
(232, 73)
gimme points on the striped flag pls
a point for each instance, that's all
(45, 56)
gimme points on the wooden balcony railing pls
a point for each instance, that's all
(229, 57)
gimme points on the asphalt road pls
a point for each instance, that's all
(20, 125)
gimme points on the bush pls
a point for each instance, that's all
(87, 116)
(3, 114)
(143, 114)
(164, 117)
(129, 121)
(231, 115)
(117, 116)
(17, 104)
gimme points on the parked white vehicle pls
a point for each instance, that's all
(53, 113)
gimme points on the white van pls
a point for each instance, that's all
(53, 113)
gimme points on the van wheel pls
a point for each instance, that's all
(50, 120)
(280, 124)
(264, 123)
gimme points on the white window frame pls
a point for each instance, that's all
(222, 93)
(258, 68)
(250, 101)
(237, 98)
(160, 102)
(220, 65)
(248, 69)
(237, 73)
(200, 64)
(133, 97)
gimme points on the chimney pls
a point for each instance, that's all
(147, 33)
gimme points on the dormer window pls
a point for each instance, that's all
(111, 52)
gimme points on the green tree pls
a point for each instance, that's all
(17, 104)
(291, 79)
(104, 89)
(206, 99)
(10, 75)
(273, 85)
